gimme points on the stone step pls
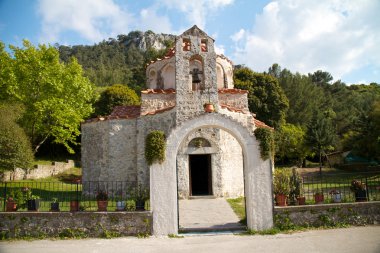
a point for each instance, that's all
(203, 197)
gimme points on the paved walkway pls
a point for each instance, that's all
(207, 214)
(347, 240)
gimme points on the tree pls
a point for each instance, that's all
(115, 95)
(320, 135)
(15, 148)
(265, 97)
(290, 144)
(56, 96)
(365, 136)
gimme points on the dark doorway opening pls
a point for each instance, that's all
(200, 175)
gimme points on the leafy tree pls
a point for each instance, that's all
(290, 144)
(320, 135)
(56, 96)
(364, 139)
(321, 78)
(265, 97)
(115, 95)
(15, 148)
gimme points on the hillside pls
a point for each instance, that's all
(119, 60)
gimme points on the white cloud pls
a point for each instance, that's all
(196, 11)
(219, 49)
(93, 20)
(336, 36)
(150, 20)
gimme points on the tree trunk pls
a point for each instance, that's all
(40, 143)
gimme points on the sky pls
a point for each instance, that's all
(338, 36)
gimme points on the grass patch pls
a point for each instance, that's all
(238, 205)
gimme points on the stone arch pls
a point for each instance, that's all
(168, 75)
(257, 176)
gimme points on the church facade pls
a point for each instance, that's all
(211, 152)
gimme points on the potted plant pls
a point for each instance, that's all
(74, 205)
(130, 205)
(32, 202)
(296, 188)
(318, 197)
(102, 200)
(120, 204)
(336, 196)
(281, 183)
(54, 205)
(209, 107)
(359, 190)
(140, 195)
(14, 200)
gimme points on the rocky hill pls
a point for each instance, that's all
(119, 60)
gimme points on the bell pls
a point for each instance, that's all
(195, 75)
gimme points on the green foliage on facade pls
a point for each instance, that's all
(266, 139)
(155, 147)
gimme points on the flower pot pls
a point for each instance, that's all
(301, 201)
(140, 205)
(74, 206)
(120, 205)
(54, 207)
(361, 196)
(281, 199)
(336, 198)
(11, 206)
(209, 108)
(102, 205)
(319, 198)
(33, 204)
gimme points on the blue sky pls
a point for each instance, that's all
(338, 36)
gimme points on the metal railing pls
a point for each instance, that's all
(329, 183)
(85, 194)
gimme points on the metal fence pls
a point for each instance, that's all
(328, 184)
(85, 194)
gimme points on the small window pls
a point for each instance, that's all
(186, 44)
(204, 45)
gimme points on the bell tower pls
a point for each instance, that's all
(195, 76)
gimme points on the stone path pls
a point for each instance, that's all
(207, 214)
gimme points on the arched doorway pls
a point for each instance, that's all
(257, 176)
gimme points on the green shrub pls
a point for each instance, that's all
(155, 146)
(130, 205)
(281, 181)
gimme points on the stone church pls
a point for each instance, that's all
(210, 152)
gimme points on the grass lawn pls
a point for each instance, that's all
(238, 205)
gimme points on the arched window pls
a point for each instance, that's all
(220, 76)
(168, 75)
(196, 73)
(152, 79)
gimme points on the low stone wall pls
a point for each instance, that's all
(75, 224)
(359, 213)
(40, 171)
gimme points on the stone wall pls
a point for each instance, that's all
(109, 150)
(81, 224)
(359, 213)
(235, 100)
(155, 101)
(40, 171)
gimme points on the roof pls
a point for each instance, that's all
(233, 109)
(127, 112)
(158, 91)
(169, 54)
(260, 124)
(232, 91)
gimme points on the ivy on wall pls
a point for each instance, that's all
(155, 146)
(266, 138)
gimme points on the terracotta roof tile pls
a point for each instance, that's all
(233, 109)
(261, 124)
(156, 91)
(232, 91)
(128, 112)
(169, 54)
(157, 111)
